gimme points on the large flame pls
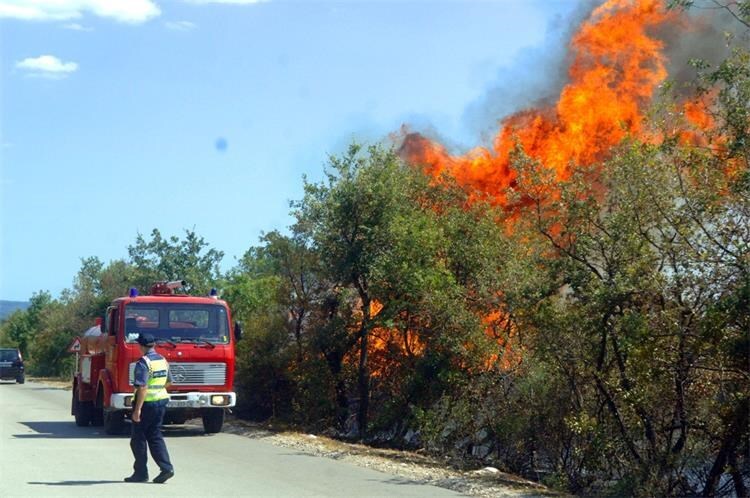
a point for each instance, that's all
(616, 67)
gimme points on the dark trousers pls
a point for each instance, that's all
(147, 432)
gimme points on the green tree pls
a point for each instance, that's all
(22, 326)
(190, 259)
(253, 293)
(346, 217)
(59, 324)
(395, 255)
(298, 266)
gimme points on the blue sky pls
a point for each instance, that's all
(120, 116)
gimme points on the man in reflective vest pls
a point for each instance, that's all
(149, 404)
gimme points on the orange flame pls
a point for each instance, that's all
(500, 328)
(387, 347)
(701, 123)
(616, 67)
(696, 112)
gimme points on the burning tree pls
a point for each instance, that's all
(641, 224)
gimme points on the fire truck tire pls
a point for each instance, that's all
(114, 422)
(81, 410)
(21, 379)
(97, 414)
(175, 418)
(213, 420)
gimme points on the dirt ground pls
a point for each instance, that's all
(486, 482)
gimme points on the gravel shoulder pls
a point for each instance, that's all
(424, 469)
(53, 382)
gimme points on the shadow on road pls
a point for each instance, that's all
(69, 430)
(59, 430)
(74, 483)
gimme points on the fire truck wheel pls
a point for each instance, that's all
(175, 418)
(81, 410)
(213, 420)
(21, 379)
(114, 422)
(97, 415)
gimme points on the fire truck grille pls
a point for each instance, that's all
(194, 374)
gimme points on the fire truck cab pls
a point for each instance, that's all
(194, 334)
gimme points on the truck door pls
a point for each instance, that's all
(112, 330)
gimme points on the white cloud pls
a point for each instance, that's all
(47, 66)
(226, 2)
(130, 11)
(180, 25)
(74, 26)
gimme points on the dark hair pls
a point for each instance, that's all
(146, 340)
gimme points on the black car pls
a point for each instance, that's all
(11, 365)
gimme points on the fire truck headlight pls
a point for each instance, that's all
(128, 401)
(220, 400)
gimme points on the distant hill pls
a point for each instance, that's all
(8, 307)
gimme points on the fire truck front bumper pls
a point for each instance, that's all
(124, 401)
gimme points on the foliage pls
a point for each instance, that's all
(20, 328)
(190, 259)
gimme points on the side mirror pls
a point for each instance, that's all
(237, 331)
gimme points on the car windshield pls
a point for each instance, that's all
(8, 355)
(177, 322)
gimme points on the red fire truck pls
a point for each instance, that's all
(195, 335)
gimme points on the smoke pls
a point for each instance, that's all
(536, 76)
(697, 34)
(533, 79)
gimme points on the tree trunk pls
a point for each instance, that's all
(298, 334)
(334, 360)
(739, 482)
(342, 403)
(363, 381)
(736, 428)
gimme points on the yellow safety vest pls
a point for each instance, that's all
(157, 379)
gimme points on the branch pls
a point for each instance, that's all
(726, 7)
(560, 248)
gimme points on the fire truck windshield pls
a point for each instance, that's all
(176, 322)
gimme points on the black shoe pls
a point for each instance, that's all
(136, 478)
(162, 478)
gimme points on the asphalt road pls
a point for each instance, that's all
(43, 453)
